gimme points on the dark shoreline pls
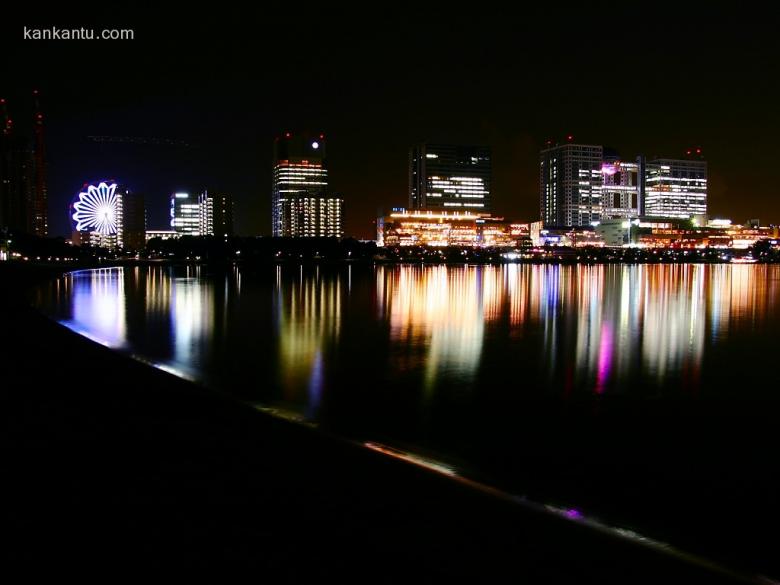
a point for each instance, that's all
(152, 470)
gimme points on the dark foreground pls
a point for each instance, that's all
(111, 467)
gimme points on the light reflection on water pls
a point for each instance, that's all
(581, 328)
(478, 366)
(307, 312)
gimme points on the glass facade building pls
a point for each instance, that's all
(570, 179)
(676, 188)
(580, 186)
(446, 177)
(185, 214)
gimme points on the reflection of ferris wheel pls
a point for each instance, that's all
(96, 210)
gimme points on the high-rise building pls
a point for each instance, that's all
(185, 214)
(570, 180)
(676, 188)
(15, 175)
(301, 203)
(23, 197)
(444, 177)
(216, 214)
(37, 216)
(133, 220)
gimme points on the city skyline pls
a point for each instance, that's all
(511, 90)
(380, 293)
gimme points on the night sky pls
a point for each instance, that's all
(221, 86)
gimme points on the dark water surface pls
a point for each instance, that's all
(646, 396)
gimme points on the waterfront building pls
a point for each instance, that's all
(576, 237)
(132, 224)
(620, 189)
(162, 234)
(676, 188)
(617, 232)
(312, 217)
(570, 180)
(23, 188)
(301, 204)
(185, 214)
(446, 177)
(447, 228)
(216, 214)
(582, 184)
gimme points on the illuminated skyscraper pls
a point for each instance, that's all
(676, 188)
(301, 204)
(449, 178)
(185, 214)
(570, 182)
(216, 214)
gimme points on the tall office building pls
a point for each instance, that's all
(676, 188)
(301, 203)
(570, 180)
(216, 214)
(445, 177)
(185, 214)
(133, 220)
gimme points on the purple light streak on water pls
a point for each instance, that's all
(605, 359)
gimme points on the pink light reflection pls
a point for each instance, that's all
(605, 359)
